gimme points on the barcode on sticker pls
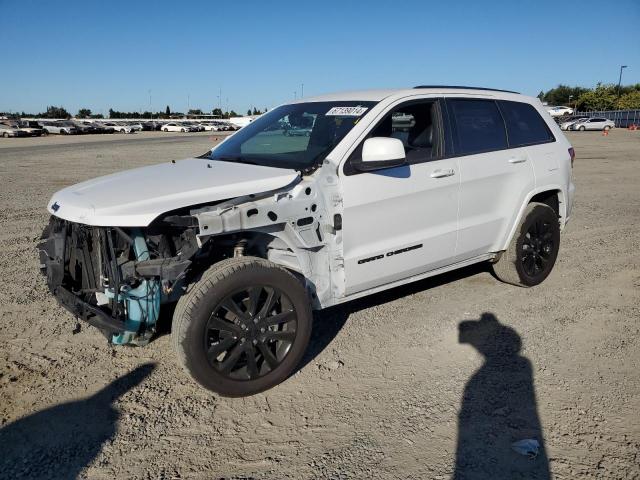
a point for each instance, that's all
(346, 111)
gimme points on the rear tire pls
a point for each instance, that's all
(607, 128)
(582, 129)
(533, 250)
(243, 327)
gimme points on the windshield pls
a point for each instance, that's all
(296, 136)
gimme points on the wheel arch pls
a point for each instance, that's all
(551, 195)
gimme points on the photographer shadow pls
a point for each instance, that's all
(60, 441)
(498, 408)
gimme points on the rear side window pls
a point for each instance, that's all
(479, 126)
(524, 124)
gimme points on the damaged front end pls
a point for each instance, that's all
(114, 279)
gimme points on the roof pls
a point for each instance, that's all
(378, 95)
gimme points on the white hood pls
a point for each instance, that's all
(134, 198)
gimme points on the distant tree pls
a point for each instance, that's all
(195, 111)
(629, 100)
(560, 94)
(232, 114)
(83, 113)
(541, 95)
(97, 115)
(255, 111)
(216, 111)
(167, 111)
(56, 112)
(249, 112)
(603, 97)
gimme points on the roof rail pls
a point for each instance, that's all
(467, 88)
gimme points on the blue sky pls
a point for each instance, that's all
(99, 55)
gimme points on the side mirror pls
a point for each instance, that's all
(381, 152)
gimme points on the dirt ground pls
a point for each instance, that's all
(390, 387)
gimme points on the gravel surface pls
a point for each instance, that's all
(393, 385)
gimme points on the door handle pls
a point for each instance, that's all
(440, 173)
(517, 159)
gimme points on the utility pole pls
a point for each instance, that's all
(188, 103)
(620, 78)
(150, 110)
(302, 90)
(295, 94)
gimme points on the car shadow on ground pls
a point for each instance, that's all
(60, 441)
(328, 323)
(498, 408)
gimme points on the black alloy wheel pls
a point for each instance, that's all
(250, 332)
(537, 248)
(533, 250)
(243, 326)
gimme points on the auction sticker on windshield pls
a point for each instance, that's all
(346, 111)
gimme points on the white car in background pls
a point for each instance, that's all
(119, 127)
(174, 127)
(593, 123)
(7, 131)
(209, 127)
(136, 127)
(572, 121)
(560, 111)
(61, 128)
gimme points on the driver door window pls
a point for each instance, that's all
(417, 124)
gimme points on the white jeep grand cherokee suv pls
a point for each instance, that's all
(387, 188)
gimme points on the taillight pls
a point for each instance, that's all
(572, 154)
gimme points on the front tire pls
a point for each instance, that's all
(533, 250)
(243, 327)
(582, 129)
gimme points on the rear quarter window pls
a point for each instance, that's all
(524, 124)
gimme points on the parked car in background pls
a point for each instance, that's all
(191, 126)
(33, 128)
(174, 127)
(119, 127)
(84, 127)
(560, 111)
(59, 127)
(210, 127)
(135, 126)
(593, 123)
(297, 132)
(7, 130)
(566, 125)
(102, 128)
(150, 126)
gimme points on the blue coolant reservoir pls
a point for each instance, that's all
(142, 303)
